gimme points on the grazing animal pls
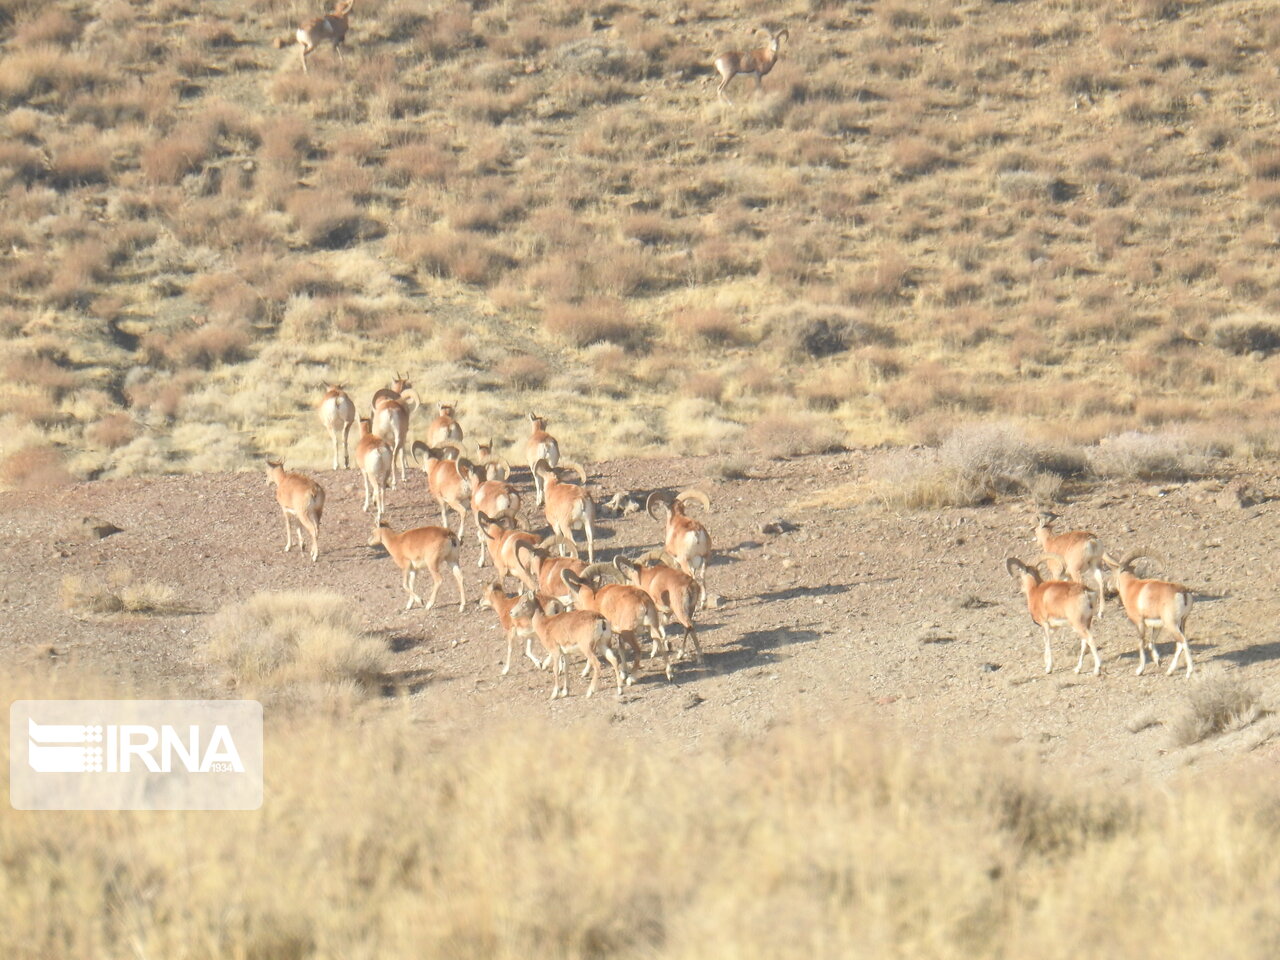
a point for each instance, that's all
(673, 591)
(756, 62)
(561, 633)
(301, 501)
(497, 600)
(332, 27)
(568, 505)
(1080, 551)
(1154, 604)
(686, 540)
(449, 479)
(337, 413)
(1058, 603)
(391, 423)
(502, 538)
(540, 446)
(434, 549)
(627, 608)
(444, 428)
(373, 457)
(493, 495)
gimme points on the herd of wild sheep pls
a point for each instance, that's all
(565, 603)
(602, 609)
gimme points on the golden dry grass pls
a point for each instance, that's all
(1061, 215)
(374, 840)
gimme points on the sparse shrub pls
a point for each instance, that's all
(113, 430)
(1147, 456)
(710, 326)
(1216, 703)
(33, 468)
(1247, 333)
(297, 647)
(781, 435)
(119, 592)
(809, 332)
(524, 372)
(593, 321)
(974, 464)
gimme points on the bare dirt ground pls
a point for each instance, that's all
(856, 611)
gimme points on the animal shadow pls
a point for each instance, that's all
(757, 647)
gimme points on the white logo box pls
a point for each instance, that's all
(135, 754)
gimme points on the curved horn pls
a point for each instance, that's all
(1051, 559)
(782, 33)
(1127, 561)
(602, 571)
(526, 569)
(1013, 563)
(542, 467)
(628, 568)
(551, 540)
(572, 580)
(419, 446)
(577, 467)
(653, 500)
(657, 556)
(274, 462)
(694, 494)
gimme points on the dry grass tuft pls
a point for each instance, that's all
(297, 648)
(118, 593)
(1216, 703)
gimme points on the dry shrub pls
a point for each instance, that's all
(204, 345)
(77, 165)
(524, 372)
(781, 435)
(1216, 703)
(914, 157)
(113, 430)
(297, 647)
(705, 385)
(170, 158)
(710, 326)
(593, 321)
(119, 592)
(974, 464)
(417, 163)
(809, 332)
(1148, 456)
(1246, 333)
(330, 223)
(454, 254)
(33, 468)
(45, 71)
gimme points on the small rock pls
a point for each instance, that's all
(989, 667)
(692, 701)
(1239, 495)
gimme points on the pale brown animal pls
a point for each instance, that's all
(373, 458)
(673, 591)
(568, 505)
(331, 28)
(540, 446)
(1058, 603)
(561, 633)
(497, 600)
(756, 62)
(337, 413)
(1153, 604)
(686, 540)
(301, 501)
(434, 549)
(1080, 551)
